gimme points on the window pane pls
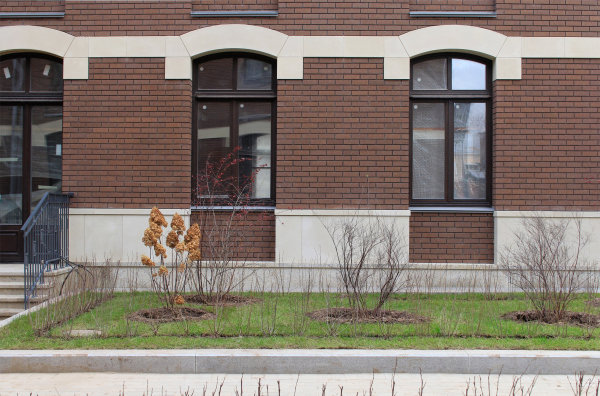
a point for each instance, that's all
(216, 74)
(469, 150)
(46, 151)
(214, 131)
(46, 75)
(12, 75)
(11, 164)
(467, 75)
(255, 143)
(254, 74)
(428, 151)
(430, 75)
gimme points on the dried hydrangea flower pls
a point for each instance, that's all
(179, 300)
(157, 217)
(181, 268)
(163, 271)
(149, 238)
(154, 274)
(195, 255)
(172, 239)
(159, 250)
(192, 233)
(177, 224)
(156, 229)
(180, 247)
(192, 245)
(147, 261)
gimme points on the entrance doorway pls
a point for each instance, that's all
(31, 92)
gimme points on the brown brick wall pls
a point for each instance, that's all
(253, 231)
(546, 136)
(234, 5)
(451, 238)
(453, 5)
(342, 137)
(32, 6)
(126, 136)
(321, 17)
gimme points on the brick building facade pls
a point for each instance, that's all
(346, 118)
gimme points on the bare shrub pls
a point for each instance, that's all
(229, 213)
(546, 262)
(370, 253)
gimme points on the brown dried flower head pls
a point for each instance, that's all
(159, 250)
(177, 224)
(192, 233)
(155, 228)
(154, 274)
(192, 245)
(195, 255)
(181, 268)
(172, 239)
(149, 238)
(163, 271)
(179, 300)
(157, 217)
(147, 261)
(180, 247)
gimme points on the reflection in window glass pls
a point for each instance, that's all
(214, 130)
(46, 151)
(46, 75)
(428, 147)
(11, 164)
(254, 74)
(469, 151)
(430, 75)
(12, 75)
(215, 74)
(255, 143)
(468, 75)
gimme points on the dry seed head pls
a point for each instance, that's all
(192, 233)
(156, 229)
(181, 268)
(177, 224)
(159, 250)
(157, 217)
(149, 238)
(192, 245)
(163, 271)
(154, 274)
(172, 239)
(195, 255)
(180, 247)
(147, 261)
(179, 300)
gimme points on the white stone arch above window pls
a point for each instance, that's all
(504, 51)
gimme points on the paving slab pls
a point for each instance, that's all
(299, 361)
(116, 384)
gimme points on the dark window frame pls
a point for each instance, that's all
(234, 96)
(449, 97)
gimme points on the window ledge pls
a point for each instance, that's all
(32, 14)
(226, 14)
(444, 209)
(453, 14)
(226, 208)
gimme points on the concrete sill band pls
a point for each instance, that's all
(245, 361)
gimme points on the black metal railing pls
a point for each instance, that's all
(46, 240)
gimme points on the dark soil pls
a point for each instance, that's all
(595, 302)
(227, 300)
(572, 318)
(351, 315)
(166, 315)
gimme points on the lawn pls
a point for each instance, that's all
(457, 321)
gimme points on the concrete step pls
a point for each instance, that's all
(16, 288)
(6, 276)
(16, 301)
(6, 313)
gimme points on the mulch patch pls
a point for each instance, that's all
(351, 315)
(227, 300)
(572, 318)
(166, 315)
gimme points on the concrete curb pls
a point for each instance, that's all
(246, 361)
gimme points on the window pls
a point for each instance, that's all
(234, 114)
(450, 136)
(31, 94)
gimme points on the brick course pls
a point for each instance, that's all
(451, 238)
(32, 6)
(453, 5)
(126, 136)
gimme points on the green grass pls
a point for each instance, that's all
(459, 321)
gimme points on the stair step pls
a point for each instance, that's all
(6, 313)
(14, 288)
(17, 301)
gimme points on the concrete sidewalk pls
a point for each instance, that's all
(115, 384)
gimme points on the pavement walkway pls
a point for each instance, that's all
(129, 384)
